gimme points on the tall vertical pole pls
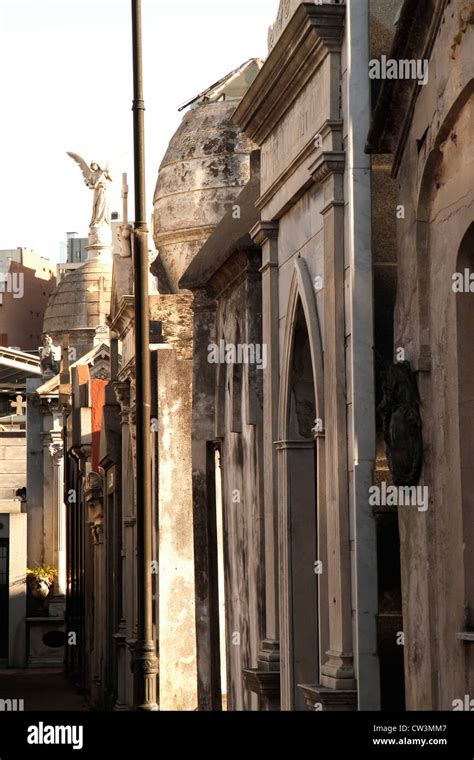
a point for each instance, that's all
(145, 661)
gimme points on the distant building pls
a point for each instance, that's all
(16, 367)
(26, 281)
(76, 249)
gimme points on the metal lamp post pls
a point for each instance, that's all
(145, 666)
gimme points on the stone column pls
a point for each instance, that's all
(265, 680)
(54, 516)
(337, 673)
(95, 517)
(34, 490)
(125, 633)
(56, 450)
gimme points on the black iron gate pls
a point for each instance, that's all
(3, 598)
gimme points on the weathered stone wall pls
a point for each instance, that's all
(177, 636)
(239, 425)
(204, 169)
(435, 186)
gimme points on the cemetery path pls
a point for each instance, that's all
(40, 689)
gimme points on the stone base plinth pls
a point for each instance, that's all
(44, 652)
(266, 684)
(320, 698)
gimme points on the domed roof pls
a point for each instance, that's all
(204, 169)
(79, 304)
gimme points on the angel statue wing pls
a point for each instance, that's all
(84, 167)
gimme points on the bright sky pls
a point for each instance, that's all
(66, 84)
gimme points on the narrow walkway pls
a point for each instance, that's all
(40, 689)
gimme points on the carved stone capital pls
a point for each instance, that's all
(56, 449)
(93, 491)
(46, 404)
(97, 533)
(122, 392)
(327, 164)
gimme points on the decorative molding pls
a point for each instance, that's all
(56, 449)
(122, 393)
(97, 533)
(264, 231)
(204, 300)
(313, 32)
(286, 9)
(326, 164)
(189, 235)
(300, 443)
(264, 683)
(329, 699)
(331, 132)
(47, 404)
(93, 490)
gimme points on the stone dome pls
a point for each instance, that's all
(79, 304)
(204, 169)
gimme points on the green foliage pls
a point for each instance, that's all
(43, 571)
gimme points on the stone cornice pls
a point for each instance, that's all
(264, 231)
(327, 164)
(312, 33)
(122, 392)
(183, 236)
(243, 264)
(331, 132)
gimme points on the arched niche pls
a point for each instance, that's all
(301, 489)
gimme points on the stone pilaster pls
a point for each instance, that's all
(337, 672)
(56, 450)
(126, 629)
(265, 679)
(95, 515)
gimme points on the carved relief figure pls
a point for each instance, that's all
(402, 424)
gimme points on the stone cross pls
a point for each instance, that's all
(19, 405)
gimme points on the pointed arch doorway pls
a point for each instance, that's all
(301, 518)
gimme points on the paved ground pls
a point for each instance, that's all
(40, 689)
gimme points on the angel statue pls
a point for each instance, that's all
(98, 179)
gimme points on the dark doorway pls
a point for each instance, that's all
(3, 598)
(302, 516)
(390, 633)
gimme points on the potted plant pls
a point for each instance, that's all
(40, 581)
